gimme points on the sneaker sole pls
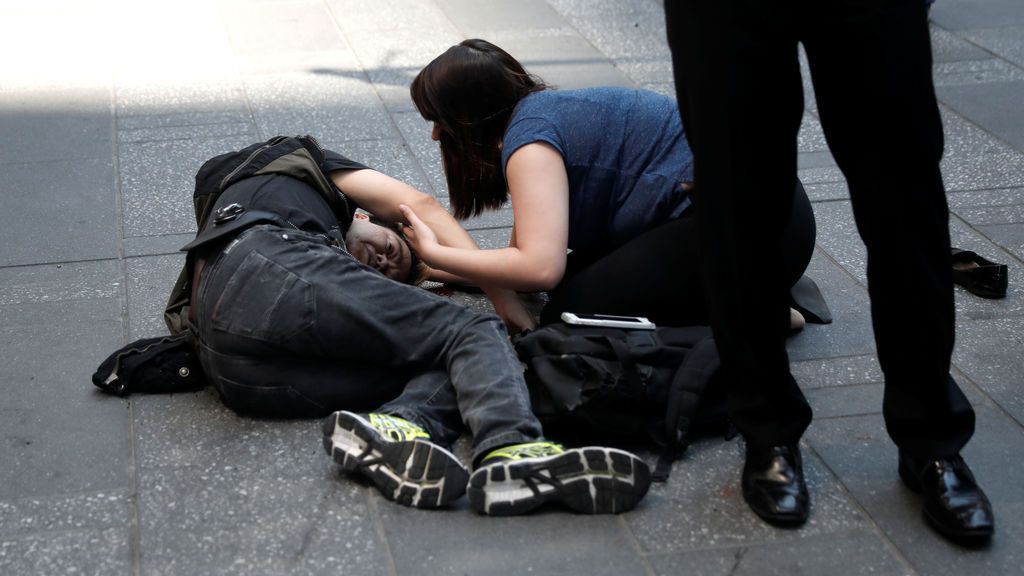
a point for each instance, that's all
(591, 480)
(414, 473)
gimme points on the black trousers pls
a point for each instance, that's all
(657, 274)
(738, 79)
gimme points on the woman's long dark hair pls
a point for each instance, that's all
(470, 92)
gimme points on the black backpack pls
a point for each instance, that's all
(613, 385)
(300, 157)
(169, 363)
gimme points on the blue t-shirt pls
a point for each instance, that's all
(625, 154)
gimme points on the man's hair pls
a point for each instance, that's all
(418, 269)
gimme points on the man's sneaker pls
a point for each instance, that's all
(592, 480)
(397, 456)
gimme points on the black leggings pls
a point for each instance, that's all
(657, 274)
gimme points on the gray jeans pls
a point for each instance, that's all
(289, 325)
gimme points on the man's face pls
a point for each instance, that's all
(379, 248)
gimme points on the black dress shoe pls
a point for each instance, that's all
(953, 502)
(773, 484)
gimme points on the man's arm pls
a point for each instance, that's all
(381, 195)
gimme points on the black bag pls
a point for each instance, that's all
(299, 157)
(161, 365)
(609, 384)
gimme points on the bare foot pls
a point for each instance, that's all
(796, 321)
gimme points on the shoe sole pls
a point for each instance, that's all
(590, 480)
(966, 536)
(414, 473)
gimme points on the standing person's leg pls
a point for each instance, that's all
(872, 73)
(738, 80)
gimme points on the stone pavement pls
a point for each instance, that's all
(107, 108)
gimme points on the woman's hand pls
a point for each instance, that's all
(420, 236)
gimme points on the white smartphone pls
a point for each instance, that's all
(608, 321)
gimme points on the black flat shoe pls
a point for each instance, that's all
(773, 485)
(979, 276)
(954, 504)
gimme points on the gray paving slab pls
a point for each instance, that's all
(824, 191)
(158, 179)
(492, 237)
(65, 512)
(338, 61)
(837, 235)
(993, 215)
(820, 175)
(853, 385)
(55, 124)
(664, 88)
(154, 105)
(390, 16)
(635, 41)
(538, 543)
(1009, 237)
(993, 106)
(392, 157)
(49, 448)
(210, 128)
(811, 137)
(991, 354)
(975, 160)
(859, 552)
(565, 61)
(850, 332)
(953, 47)
(155, 245)
(56, 215)
(416, 132)
(701, 506)
(296, 26)
(809, 159)
(392, 65)
(150, 280)
(975, 73)
(610, 8)
(1004, 41)
(223, 494)
(492, 219)
(1001, 206)
(967, 14)
(481, 18)
(334, 107)
(835, 372)
(858, 451)
(99, 552)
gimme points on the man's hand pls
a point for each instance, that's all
(510, 308)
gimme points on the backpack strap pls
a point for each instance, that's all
(629, 369)
(688, 384)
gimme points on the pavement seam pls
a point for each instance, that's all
(634, 543)
(384, 106)
(843, 489)
(378, 525)
(134, 520)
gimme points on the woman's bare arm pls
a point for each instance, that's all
(381, 195)
(535, 260)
